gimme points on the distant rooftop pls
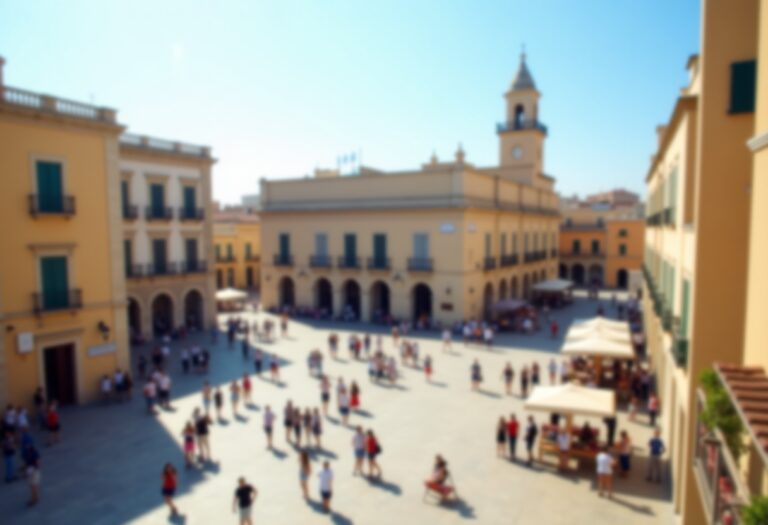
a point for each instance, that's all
(153, 143)
(56, 105)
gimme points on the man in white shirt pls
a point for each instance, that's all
(604, 465)
(326, 486)
(564, 445)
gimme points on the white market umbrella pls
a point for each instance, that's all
(577, 332)
(572, 399)
(231, 294)
(601, 323)
(598, 347)
(553, 285)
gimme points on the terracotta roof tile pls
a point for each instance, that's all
(748, 386)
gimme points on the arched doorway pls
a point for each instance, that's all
(379, 301)
(193, 309)
(596, 275)
(352, 298)
(324, 296)
(563, 271)
(577, 274)
(513, 288)
(503, 290)
(134, 317)
(286, 295)
(162, 315)
(526, 286)
(622, 279)
(487, 301)
(421, 299)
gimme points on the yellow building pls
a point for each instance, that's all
(697, 241)
(237, 240)
(443, 242)
(62, 290)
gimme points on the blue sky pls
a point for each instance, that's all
(278, 88)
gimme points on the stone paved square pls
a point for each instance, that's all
(107, 468)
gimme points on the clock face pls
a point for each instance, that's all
(517, 152)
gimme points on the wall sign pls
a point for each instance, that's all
(25, 342)
(107, 348)
(447, 227)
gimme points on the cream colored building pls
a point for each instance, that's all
(697, 239)
(167, 234)
(442, 242)
(237, 244)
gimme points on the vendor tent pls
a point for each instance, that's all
(576, 332)
(553, 286)
(601, 323)
(572, 399)
(231, 294)
(598, 347)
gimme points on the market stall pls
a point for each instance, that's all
(229, 299)
(554, 292)
(510, 314)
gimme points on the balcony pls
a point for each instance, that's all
(378, 263)
(553, 253)
(283, 260)
(489, 263)
(158, 213)
(668, 216)
(252, 257)
(504, 127)
(63, 205)
(655, 219)
(191, 213)
(194, 266)
(162, 269)
(135, 271)
(509, 260)
(420, 264)
(130, 212)
(349, 262)
(58, 300)
(666, 319)
(320, 261)
(227, 258)
(679, 344)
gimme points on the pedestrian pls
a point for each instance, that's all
(258, 359)
(531, 431)
(653, 408)
(9, 454)
(118, 380)
(31, 458)
(564, 447)
(373, 449)
(185, 361)
(207, 397)
(218, 402)
(512, 430)
(106, 388)
(274, 369)
(245, 496)
(501, 437)
(604, 466)
(317, 427)
(367, 344)
(188, 434)
(284, 324)
(244, 349)
(624, 448)
(358, 446)
(446, 340)
(554, 328)
(610, 429)
(288, 420)
(552, 372)
(354, 396)
(326, 486)
(428, 368)
(656, 448)
(54, 423)
(343, 401)
(325, 393)
(508, 375)
(202, 424)
(524, 381)
(535, 374)
(234, 394)
(296, 425)
(170, 481)
(488, 337)
(305, 470)
(476, 375)
(247, 387)
(164, 386)
(269, 421)
(150, 395)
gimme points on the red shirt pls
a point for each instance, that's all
(370, 445)
(512, 427)
(169, 480)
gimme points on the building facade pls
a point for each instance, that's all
(62, 291)
(237, 244)
(697, 237)
(167, 235)
(440, 243)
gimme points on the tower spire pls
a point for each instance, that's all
(523, 79)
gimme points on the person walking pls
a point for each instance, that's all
(234, 393)
(373, 449)
(258, 361)
(202, 424)
(296, 422)
(476, 375)
(512, 430)
(206, 398)
(358, 445)
(305, 469)
(288, 420)
(150, 396)
(552, 372)
(656, 448)
(188, 435)
(564, 447)
(354, 396)
(501, 437)
(343, 400)
(653, 408)
(604, 465)
(31, 458)
(245, 496)
(624, 448)
(316, 426)
(524, 382)
(531, 431)
(274, 369)
(488, 337)
(170, 481)
(218, 402)
(508, 375)
(447, 340)
(269, 421)
(54, 423)
(554, 328)
(535, 374)
(428, 368)
(247, 387)
(326, 486)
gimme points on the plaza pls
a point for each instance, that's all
(107, 468)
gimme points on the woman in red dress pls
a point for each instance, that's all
(354, 392)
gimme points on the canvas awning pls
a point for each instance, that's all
(601, 323)
(576, 332)
(231, 294)
(598, 347)
(553, 286)
(572, 399)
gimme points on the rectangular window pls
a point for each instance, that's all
(595, 247)
(525, 242)
(285, 246)
(622, 249)
(503, 244)
(190, 201)
(53, 272)
(350, 248)
(514, 243)
(190, 252)
(218, 252)
(50, 187)
(379, 249)
(157, 199)
(743, 81)
(321, 244)
(622, 233)
(248, 251)
(230, 253)
(488, 249)
(576, 247)
(128, 256)
(125, 196)
(159, 256)
(685, 308)
(420, 246)
(535, 242)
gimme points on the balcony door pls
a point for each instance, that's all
(59, 369)
(50, 188)
(55, 282)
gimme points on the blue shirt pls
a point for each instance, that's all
(657, 446)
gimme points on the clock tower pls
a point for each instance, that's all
(521, 136)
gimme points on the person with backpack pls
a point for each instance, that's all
(373, 449)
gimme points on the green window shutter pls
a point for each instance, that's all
(229, 251)
(350, 247)
(379, 248)
(190, 248)
(218, 252)
(743, 82)
(595, 247)
(124, 195)
(576, 247)
(248, 249)
(49, 187)
(55, 282)
(157, 198)
(159, 255)
(622, 249)
(128, 256)
(285, 246)
(190, 201)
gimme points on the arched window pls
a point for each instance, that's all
(519, 116)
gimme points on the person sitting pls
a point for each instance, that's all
(586, 435)
(437, 481)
